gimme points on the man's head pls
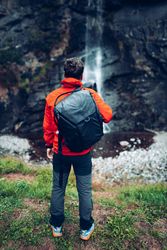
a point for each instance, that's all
(74, 67)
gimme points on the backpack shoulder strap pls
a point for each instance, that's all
(69, 92)
(97, 110)
(60, 137)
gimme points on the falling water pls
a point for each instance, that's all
(94, 32)
(94, 53)
(98, 71)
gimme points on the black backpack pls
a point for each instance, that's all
(79, 121)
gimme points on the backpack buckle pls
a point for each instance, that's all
(87, 119)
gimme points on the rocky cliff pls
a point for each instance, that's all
(36, 36)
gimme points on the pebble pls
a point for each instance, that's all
(13, 145)
(124, 143)
(132, 139)
(150, 164)
(138, 141)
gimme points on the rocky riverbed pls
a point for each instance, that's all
(147, 165)
(127, 157)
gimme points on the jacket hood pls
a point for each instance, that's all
(71, 82)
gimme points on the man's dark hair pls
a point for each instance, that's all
(73, 67)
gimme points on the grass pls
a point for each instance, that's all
(126, 217)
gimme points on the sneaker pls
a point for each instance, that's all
(85, 234)
(57, 231)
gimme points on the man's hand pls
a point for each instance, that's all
(49, 153)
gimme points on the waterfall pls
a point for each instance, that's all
(94, 53)
(94, 32)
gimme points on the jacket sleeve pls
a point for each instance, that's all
(49, 126)
(104, 108)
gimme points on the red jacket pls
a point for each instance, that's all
(49, 124)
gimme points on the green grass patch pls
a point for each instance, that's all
(41, 187)
(7, 207)
(24, 212)
(13, 165)
(119, 228)
(151, 198)
(109, 203)
(154, 194)
(29, 229)
(6, 188)
(13, 188)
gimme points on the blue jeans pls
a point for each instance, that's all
(83, 171)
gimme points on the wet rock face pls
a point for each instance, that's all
(138, 71)
(36, 36)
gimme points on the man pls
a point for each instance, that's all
(81, 161)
